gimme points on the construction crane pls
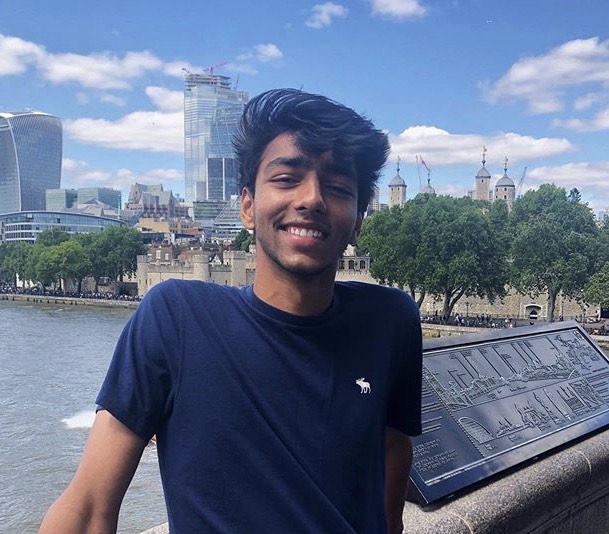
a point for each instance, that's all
(211, 68)
(520, 182)
(416, 157)
(425, 165)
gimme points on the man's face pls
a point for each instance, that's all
(304, 210)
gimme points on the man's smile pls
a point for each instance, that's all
(304, 232)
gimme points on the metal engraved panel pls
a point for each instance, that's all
(494, 400)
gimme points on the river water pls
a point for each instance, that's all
(52, 362)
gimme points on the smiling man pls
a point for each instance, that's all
(281, 407)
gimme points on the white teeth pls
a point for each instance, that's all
(304, 232)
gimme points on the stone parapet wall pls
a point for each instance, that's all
(69, 301)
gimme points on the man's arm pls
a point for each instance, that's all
(398, 457)
(92, 501)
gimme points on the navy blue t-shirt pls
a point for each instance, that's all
(267, 421)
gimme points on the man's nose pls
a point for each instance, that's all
(311, 194)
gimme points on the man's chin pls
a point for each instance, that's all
(308, 269)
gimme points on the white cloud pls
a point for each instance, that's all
(109, 98)
(267, 52)
(600, 121)
(590, 179)
(241, 68)
(324, 13)
(71, 165)
(398, 9)
(440, 147)
(177, 68)
(586, 101)
(77, 174)
(165, 99)
(542, 81)
(16, 55)
(98, 71)
(152, 131)
(261, 53)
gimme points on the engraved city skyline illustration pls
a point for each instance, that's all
(504, 395)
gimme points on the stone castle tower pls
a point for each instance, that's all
(397, 189)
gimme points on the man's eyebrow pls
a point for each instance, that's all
(338, 168)
(305, 162)
(297, 162)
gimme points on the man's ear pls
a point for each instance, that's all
(247, 208)
(357, 229)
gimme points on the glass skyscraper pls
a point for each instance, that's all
(211, 112)
(30, 159)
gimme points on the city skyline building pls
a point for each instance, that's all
(107, 195)
(212, 108)
(61, 199)
(27, 225)
(30, 159)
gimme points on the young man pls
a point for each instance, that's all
(281, 407)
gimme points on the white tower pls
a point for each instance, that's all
(397, 189)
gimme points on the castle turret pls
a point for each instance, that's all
(482, 189)
(505, 188)
(397, 189)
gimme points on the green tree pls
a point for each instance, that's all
(465, 247)
(554, 242)
(45, 265)
(391, 238)
(243, 240)
(16, 261)
(7, 275)
(596, 290)
(92, 245)
(75, 263)
(442, 246)
(574, 195)
(54, 236)
(118, 248)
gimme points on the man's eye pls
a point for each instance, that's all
(341, 190)
(284, 179)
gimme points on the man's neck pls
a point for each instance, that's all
(299, 296)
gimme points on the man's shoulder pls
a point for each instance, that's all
(372, 291)
(376, 297)
(175, 291)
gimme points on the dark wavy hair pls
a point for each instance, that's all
(318, 124)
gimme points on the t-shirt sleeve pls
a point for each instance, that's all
(140, 383)
(404, 406)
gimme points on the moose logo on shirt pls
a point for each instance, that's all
(364, 386)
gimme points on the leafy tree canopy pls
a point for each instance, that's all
(554, 242)
(596, 290)
(54, 236)
(440, 245)
(243, 240)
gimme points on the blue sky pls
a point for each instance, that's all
(527, 79)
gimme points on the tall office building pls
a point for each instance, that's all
(61, 199)
(109, 196)
(30, 159)
(211, 112)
